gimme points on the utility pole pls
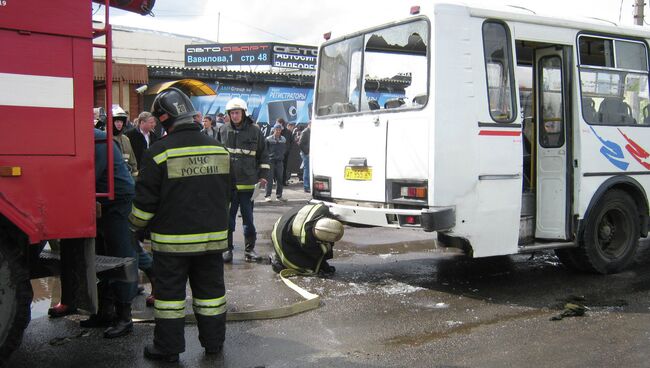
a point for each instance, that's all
(639, 5)
(219, 23)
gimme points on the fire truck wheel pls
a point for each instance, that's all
(611, 234)
(15, 295)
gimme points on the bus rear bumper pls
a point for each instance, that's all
(428, 219)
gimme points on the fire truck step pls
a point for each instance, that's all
(125, 269)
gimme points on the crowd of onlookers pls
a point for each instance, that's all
(144, 130)
(292, 154)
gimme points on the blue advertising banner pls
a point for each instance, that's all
(269, 103)
(265, 103)
(289, 103)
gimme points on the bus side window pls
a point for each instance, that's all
(499, 70)
(613, 80)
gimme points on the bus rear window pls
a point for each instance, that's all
(382, 70)
(395, 67)
(339, 75)
(499, 69)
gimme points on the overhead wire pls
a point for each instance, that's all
(161, 14)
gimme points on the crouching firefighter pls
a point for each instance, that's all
(188, 224)
(303, 239)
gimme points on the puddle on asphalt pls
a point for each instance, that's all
(46, 293)
(459, 327)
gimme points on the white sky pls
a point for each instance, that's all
(305, 21)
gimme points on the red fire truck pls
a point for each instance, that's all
(47, 183)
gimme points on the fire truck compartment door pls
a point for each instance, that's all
(37, 94)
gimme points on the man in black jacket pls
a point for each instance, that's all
(287, 134)
(142, 136)
(189, 226)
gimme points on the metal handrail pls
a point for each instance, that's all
(108, 64)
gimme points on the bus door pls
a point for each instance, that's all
(552, 148)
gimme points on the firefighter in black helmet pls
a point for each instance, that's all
(182, 196)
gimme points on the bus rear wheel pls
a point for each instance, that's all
(570, 260)
(15, 295)
(611, 234)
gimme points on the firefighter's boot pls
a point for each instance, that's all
(227, 256)
(276, 264)
(249, 250)
(123, 325)
(152, 353)
(106, 312)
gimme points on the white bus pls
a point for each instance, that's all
(504, 132)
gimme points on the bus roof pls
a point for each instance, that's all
(516, 14)
(586, 24)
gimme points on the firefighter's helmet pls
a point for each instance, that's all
(119, 113)
(170, 105)
(236, 104)
(328, 230)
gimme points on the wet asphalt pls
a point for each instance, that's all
(394, 301)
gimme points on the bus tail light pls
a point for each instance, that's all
(321, 187)
(409, 221)
(411, 192)
(414, 192)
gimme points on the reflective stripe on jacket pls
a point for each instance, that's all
(183, 193)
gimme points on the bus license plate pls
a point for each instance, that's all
(360, 173)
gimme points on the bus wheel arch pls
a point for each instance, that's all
(628, 185)
(609, 235)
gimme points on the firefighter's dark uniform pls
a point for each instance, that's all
(249, 162)
(182, 195)
(294, 242)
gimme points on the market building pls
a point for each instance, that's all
(146, 62)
